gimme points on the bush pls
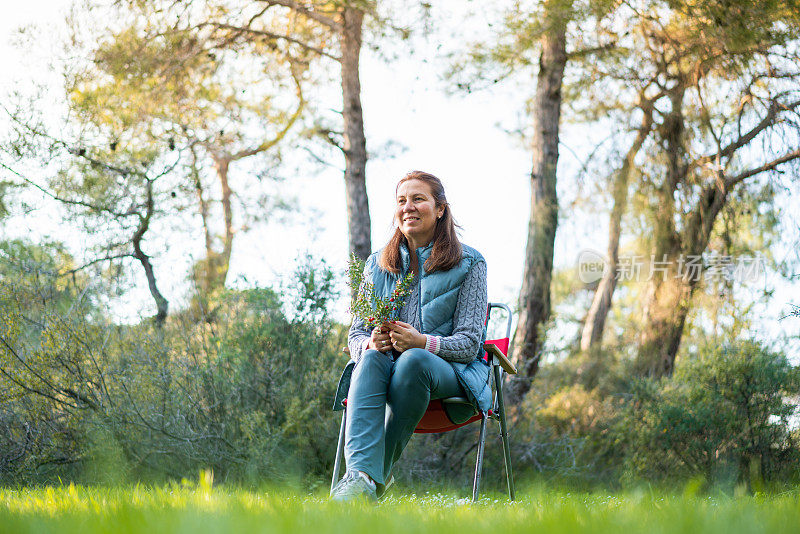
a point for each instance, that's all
(247, 394)
(724, 415)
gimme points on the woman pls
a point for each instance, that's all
(431, 352)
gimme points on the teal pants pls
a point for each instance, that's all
(387, 398)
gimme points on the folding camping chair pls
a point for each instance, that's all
(436, 420)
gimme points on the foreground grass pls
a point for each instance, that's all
(199, 509)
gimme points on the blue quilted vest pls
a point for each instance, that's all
(438, 299)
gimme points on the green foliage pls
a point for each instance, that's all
(247, 395)
(369, 307)
(725, 417)
(277, 375)
(726, 412)
(39, 380)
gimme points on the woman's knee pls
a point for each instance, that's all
(411, 383)
(412, 364)
(373, 359)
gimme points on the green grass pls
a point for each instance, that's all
(200, 508)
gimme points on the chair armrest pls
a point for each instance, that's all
(505, 363)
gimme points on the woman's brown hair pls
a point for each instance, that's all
(446, 252)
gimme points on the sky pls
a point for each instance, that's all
(460, 138)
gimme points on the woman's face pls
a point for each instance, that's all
(417, 211)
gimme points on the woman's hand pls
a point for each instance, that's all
(404, 336)
(379, 340)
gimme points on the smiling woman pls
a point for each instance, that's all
(417, 211)
(422, 216)
(432, 351)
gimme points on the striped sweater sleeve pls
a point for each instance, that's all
(357, 338)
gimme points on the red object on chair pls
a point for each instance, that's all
(435, 419)
(502, 344)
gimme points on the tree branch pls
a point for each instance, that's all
(271, 35)
(583, 52)
(330, 137)
(767, 121)
(81, 203)
(266, 145)
(81, 153)
(733, 180)
(95, 261)
(52, 387)
(297, 7)
(144, 224)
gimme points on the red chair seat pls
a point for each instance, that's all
(435, 419)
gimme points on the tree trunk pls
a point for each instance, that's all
(534, 301)
(667, 305)
(592, 333)
(203, 207)
(222, 164)
(668, 294)
(204, 271)
(669, 302)
(355, 144)
(162, 304)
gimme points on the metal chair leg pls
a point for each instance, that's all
(479, 463)
(337, 464)
(504, 433)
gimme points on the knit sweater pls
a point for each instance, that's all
(468, 320)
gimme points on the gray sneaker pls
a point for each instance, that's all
(354, 485)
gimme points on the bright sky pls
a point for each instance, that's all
(485, 172)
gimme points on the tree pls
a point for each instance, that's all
(722, 79)
(546, 28)
(133, 223)
(534, 296)
(325, 30)
(545, 36)
(112, 192)
(221, 108)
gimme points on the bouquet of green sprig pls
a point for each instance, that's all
(374, 310)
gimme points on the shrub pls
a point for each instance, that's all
(246, 394)
(724, 414)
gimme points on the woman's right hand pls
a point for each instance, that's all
(379, 340)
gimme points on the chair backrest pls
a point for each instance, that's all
(435, 420)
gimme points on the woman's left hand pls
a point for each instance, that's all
(404, 336)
